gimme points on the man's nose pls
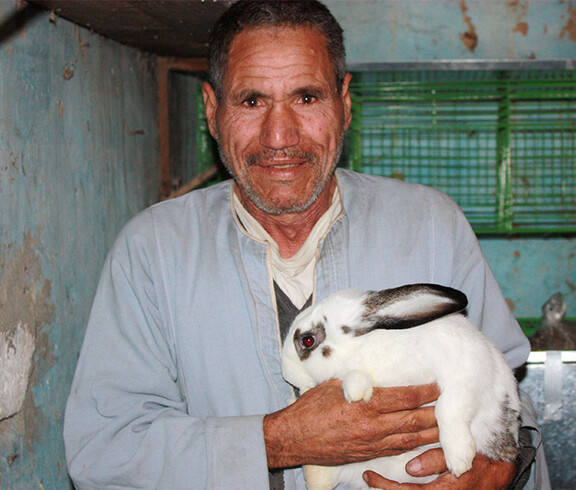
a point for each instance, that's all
(280, 128)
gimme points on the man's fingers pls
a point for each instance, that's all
(430, 462)
(322, 428)
(399, 443)
(374, 480)
(412, 420)
(404, 398)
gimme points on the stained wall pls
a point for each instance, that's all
(78, 157)
(426, 30)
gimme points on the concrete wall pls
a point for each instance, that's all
(424, 30)
(78, 157)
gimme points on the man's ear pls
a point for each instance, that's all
(210, 106)
(347, 100)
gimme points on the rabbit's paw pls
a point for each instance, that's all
(357, 385)
(453, 413)
(459, 454)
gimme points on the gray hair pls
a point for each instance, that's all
(253, 14)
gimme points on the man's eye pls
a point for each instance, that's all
(251, 102)
(308, 99)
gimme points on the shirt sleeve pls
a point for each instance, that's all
(127, 422)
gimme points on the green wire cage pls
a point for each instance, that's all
(502, 143)
(500, 139)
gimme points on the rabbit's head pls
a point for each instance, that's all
(325, 333)
(554, 309)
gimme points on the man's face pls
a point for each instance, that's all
(281, 118)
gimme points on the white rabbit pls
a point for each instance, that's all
(409, 335)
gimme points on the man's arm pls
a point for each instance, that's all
(322, 428)
(128, 422)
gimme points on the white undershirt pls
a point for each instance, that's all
(294, 275)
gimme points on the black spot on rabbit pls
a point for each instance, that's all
(326, 351)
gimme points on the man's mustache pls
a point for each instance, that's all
(266, 155)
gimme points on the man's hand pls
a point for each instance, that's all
(485, 474)
(322, 428)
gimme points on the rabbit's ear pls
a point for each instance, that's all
(411, 305)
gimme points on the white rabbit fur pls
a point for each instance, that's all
(368, 339)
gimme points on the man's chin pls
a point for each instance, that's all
(280, 206)
(275, 198)
(277, 209)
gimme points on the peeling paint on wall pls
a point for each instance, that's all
(569, 28)
(423, 30)
(469, 38)
(25, 313)
(522, 28)
(517, 16)
(16, 351)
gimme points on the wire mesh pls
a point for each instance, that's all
(502, 144)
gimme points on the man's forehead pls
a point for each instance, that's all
(280, 56)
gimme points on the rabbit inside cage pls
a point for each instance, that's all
(555, 331)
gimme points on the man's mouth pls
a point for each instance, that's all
(282, 166)
(282, 161)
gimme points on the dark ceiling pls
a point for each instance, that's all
(178, 28)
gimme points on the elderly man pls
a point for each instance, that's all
(179, 384)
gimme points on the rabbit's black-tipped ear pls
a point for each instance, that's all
(412, 305)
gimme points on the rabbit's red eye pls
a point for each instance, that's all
(308, 341)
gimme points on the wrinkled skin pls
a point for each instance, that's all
(322, 428)
(484, 475)
(279, 126)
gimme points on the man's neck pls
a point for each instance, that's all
(290, 230)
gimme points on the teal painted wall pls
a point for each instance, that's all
(78, 157)
(530, 270)
(424, 30)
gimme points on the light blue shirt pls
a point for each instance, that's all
(181, 358)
